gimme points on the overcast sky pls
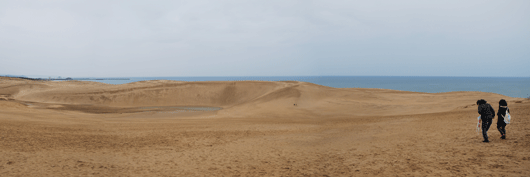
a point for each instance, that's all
(265, 38)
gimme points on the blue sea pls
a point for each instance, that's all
(509, 86)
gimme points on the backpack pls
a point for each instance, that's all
(507, 117)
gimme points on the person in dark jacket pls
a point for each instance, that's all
(487, 113)
(501, 125)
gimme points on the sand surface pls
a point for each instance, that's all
(73, 128)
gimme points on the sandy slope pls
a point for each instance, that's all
(92, 129)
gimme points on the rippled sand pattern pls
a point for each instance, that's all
(248, 128)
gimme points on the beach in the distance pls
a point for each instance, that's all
(251, 128)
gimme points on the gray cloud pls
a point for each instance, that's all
(267, 38)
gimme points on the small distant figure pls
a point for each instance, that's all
(295, 104)
(501, 124)
(487, 113)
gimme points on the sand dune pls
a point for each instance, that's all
(52, 128)
(248, 94)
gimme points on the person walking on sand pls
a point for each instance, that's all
(501, 125)
(487, 113)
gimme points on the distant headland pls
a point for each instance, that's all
(60, 78)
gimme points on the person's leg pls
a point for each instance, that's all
(499, 127)
(485, 128)
(503, 127)
(490, 121)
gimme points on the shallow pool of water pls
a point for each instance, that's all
(182, 108)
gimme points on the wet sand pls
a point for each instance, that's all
(73, 128)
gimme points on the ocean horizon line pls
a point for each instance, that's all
(40, 76)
